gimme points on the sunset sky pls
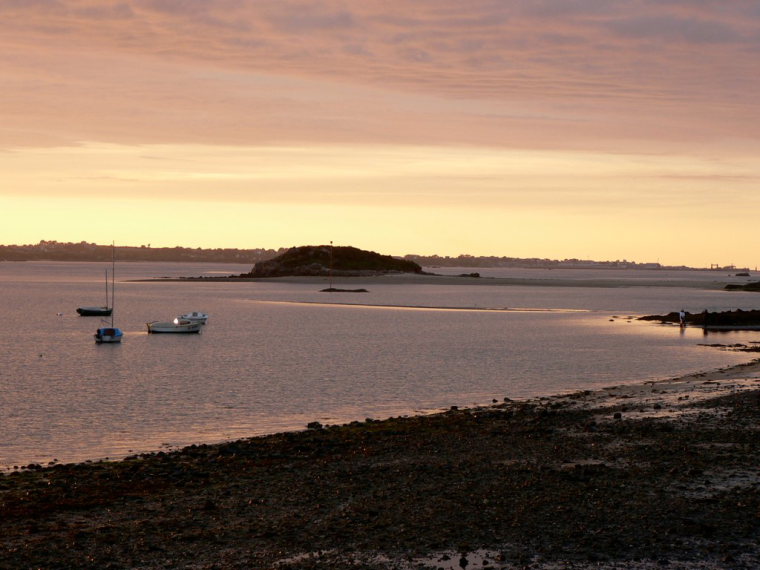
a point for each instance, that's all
(535, 128)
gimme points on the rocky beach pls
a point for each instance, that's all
(656, 475)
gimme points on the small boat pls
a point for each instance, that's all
(109, 334)
(94, 311)
(178, 325)
(97, 311)
(195, 316)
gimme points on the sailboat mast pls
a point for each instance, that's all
(113, 279)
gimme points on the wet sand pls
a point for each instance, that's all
(431, 279)
(662, 474)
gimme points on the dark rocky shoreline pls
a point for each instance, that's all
(737, 319)
(660, 475)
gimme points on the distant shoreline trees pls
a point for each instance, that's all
(495, 261)
(84, 251)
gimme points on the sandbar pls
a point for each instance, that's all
(431, 279)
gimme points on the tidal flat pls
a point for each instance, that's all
(659, 474)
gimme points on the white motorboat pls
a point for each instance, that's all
(178, 325)
(195, 316)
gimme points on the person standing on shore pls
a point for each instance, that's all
(682, 318)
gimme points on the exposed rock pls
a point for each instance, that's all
(754, 286)
(738, 318)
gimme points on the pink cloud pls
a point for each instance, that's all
(221, 70)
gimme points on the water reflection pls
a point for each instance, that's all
(276, 356)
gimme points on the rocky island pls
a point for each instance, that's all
(324, 260)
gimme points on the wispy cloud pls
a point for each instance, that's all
(226, 71)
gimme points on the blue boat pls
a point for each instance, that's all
(110, 334)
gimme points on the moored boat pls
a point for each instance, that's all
(108, 334)
(104, 311)
(178, 325)
(195, 316)
(95, 311)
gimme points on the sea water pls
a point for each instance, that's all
(277, 355)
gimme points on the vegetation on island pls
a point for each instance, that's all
(326, 259)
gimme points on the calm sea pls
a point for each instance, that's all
(276, 356)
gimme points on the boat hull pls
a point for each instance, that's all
(95, 311)
(195, 317)
(175, 328)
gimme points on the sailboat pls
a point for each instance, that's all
(97, 311)
(110, 334)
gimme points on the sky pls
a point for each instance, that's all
(529, 128)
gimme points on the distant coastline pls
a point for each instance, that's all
(84, 251)
(440, 279)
